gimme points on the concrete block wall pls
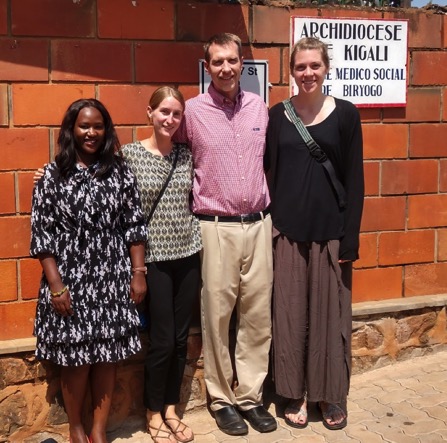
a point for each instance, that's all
(55, 51)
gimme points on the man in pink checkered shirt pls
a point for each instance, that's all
(225, 129)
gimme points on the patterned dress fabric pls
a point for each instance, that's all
(87, 224)
(174, 232)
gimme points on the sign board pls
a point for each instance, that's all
(254, 78)
(368, 58)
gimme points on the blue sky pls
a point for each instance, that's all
(419, 3)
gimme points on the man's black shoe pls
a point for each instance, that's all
(230, 421)
(260, 419)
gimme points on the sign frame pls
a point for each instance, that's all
(370, 72)
(251, 80)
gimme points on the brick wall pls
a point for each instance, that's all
(55, 51)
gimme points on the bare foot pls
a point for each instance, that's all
(296, 413)
(181, 431)
(157, 428)
(333, 415)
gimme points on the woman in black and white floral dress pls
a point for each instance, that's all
(88, 232)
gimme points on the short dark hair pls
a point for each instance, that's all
(109, 151)
(222, 39)
(310, 43)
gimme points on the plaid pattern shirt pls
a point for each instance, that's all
(227, 141)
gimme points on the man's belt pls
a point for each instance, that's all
(244, 218)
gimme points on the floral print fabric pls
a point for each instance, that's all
(87, 224)
(174, 231)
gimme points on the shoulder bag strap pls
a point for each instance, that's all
(316, 152)
(165, 185)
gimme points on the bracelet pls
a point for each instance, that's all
(140, 269)
(59, 293)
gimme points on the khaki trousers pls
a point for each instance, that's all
(237, 272)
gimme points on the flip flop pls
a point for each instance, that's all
(331, 409)
(292, 408)
(160, 434)
(179, 429)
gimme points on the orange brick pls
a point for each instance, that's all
(423, 105)
(367, 252)
(113, 97)
(8, 281)
(3, 17)
(399, 248)
(160, 62)
(125, 134)
(370, 115)
(424, 29)
(272, 25)
(24, 60)
(121, 19)
(429, 68)
(4, 112)
(278, 94)
(385, 141)
(444, 33)
(23, 148)
(443, 176)
(371, 171)
(16, 243)
(198, 21)
(427, 211)
(17, 320)
(30, 276)
(272, 55)
(26, 185)
(426, 279)
(383, 214)
(7, 195)
(444, 99)
(428, 140)
(285, 66)
(53, 101)
(144, 132)
(409, 176)
(41, 17)
(442, 244)
(350, 13)
(189, 91)
(83, 60)
(376, 284)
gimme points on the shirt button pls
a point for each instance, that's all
(242, 178)
(240, 156)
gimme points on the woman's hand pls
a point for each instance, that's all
(138, 287)
(344, 261)
(62, 304)
(38, 174)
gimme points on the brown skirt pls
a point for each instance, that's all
(312, 321)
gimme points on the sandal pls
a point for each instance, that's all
(296, 407)
(331, 410)
(179, 429)
(157, 437)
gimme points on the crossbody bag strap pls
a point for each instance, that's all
(165, 185)
(316, 152)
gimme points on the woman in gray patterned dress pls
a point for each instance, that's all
(172, 260)
(88, 231)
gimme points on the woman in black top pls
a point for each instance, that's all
(316, 238)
